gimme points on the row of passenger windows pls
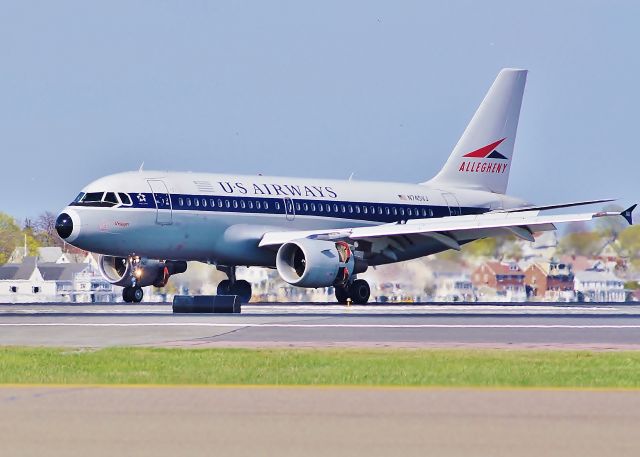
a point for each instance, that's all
(306, 207)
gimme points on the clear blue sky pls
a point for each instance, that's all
(383, 89)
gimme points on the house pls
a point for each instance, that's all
(500, 281)
(33, 281)
(599, 286)
(553, 281)
(451, 281)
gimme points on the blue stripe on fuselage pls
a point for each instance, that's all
(382, 212)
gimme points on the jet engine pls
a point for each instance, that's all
(317, 263)
(124, 271)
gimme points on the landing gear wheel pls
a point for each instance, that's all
(224, 287)
(359, 291)
(342, 295)
(127, 295)
(137, 294)
(242, 289)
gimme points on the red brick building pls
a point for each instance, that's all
(544, 277)
(501, 276)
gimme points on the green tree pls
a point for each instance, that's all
(12, 236)
(487, 247)
(581, 243)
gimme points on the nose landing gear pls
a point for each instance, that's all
(132, 294)
(358, 291)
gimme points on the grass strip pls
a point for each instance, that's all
(365, 367)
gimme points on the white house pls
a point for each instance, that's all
(599, 286)
(33, 281)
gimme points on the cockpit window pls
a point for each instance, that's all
(93, 197)
(126, 200)
(79, 197)
(100, 199)
(110, 197)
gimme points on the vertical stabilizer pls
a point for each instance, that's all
(482, 157)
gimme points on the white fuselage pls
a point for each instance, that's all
(221, 218)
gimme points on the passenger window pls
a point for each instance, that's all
(242, 204)
(277, 205)
(395, 211)
(386, 210)
(305, 207)
(365, 210)
(430, 212)
(196, 202)
(424, 212)
(227, 203)
(266, 205)
(335, 208)
(379, 209)
(358, 209)
(343, 209)
(188, 201)
(313, 207)
(212, 203)
(220, 203)
(204, 202)
(328, 208)
(373, 209)
(235, 203)
(350, 208)
(297, 206)
(250, 204)
(320, 207)
(180, 201)
(401, 211)
(126, 200)
(258, 205)
(409, 212)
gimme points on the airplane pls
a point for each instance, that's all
(146, 225)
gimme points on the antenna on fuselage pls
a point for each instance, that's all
(141, 166)
(351, 175)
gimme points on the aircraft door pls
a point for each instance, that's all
(162, 199)
(453, 204)
(289, 209)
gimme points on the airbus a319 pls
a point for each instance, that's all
(146, 225)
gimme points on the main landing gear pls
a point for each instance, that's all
(132, 294)
(358, 291)
(232, 286)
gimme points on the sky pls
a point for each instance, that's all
(314, 89)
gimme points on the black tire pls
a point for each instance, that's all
(127, 296)
(359, 291)
(223, 287)
(137, 294)
(342, 294)
(242, 289)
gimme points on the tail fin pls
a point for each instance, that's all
(482, 157)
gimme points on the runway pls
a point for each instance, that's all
(308, 325)
(165, 421)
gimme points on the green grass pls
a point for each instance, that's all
(371, 367)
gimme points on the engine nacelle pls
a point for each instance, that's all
(121, 271)
(317, 263)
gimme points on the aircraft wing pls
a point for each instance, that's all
(449, 230)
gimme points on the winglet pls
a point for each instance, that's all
(627, 214)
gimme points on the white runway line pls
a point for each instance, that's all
(365, 326)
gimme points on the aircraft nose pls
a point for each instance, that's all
(64, 225)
